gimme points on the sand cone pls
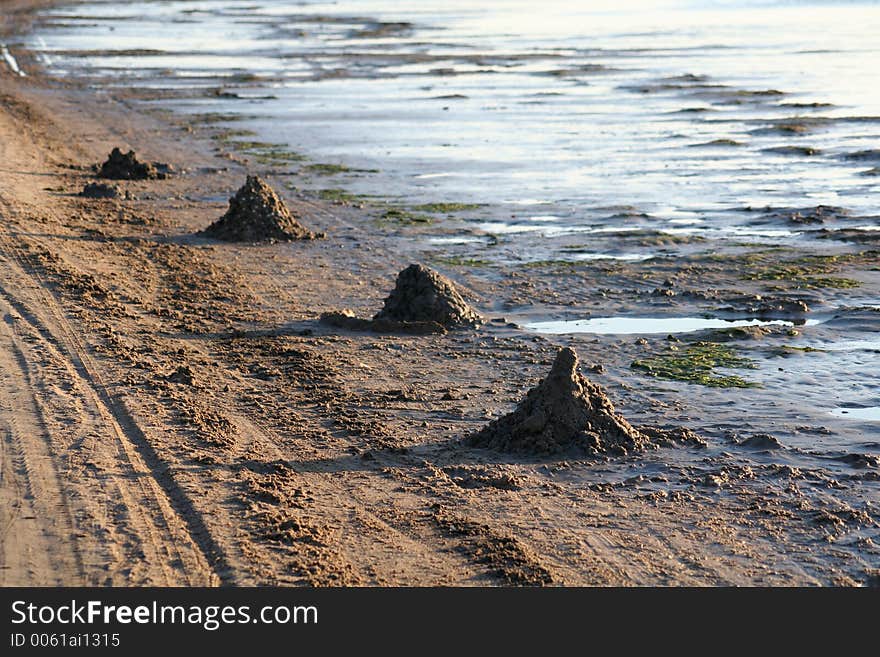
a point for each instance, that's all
(423, 295)
(126, 166)
(257, 214)
(565, 412)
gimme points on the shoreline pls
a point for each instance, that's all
(299, 454)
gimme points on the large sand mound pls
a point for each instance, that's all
(257, 214)
(423, 295)
(565, 412)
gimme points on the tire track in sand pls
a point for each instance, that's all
(37, 547)
(171, 543)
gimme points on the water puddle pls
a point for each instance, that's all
(734, 232)
(543, 224)
(550, 230)
(456, 240)
(625, 257)
(851, 345)
(645, 325)
(429, 176)
(528, 201)
(872, 413)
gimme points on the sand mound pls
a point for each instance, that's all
(100, 190)
(126, 166)
(565, 412)
(423, 295)
(760, 441)
(257, 214)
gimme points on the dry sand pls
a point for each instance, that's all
(172, 412)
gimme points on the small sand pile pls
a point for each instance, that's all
(182, 375)
(126, 166)
(257, 214)
(423, 302)
(100, 190)
(564, 413)
(423, 295)
(346, 319)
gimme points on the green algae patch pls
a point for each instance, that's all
(274, 156)
(340, 195)
(697, 363)
(446, 208)
(402, 216)
(325, 169)
(213, 118)
(261, 151)
(802, 278)
(456, 261)
(322, 169)
(245, 146)
(810, 272)
(232, 137)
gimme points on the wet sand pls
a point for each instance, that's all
(174, 413)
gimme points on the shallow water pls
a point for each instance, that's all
(667, 105)
(647, 325)
(872, 413)
(851, 345)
